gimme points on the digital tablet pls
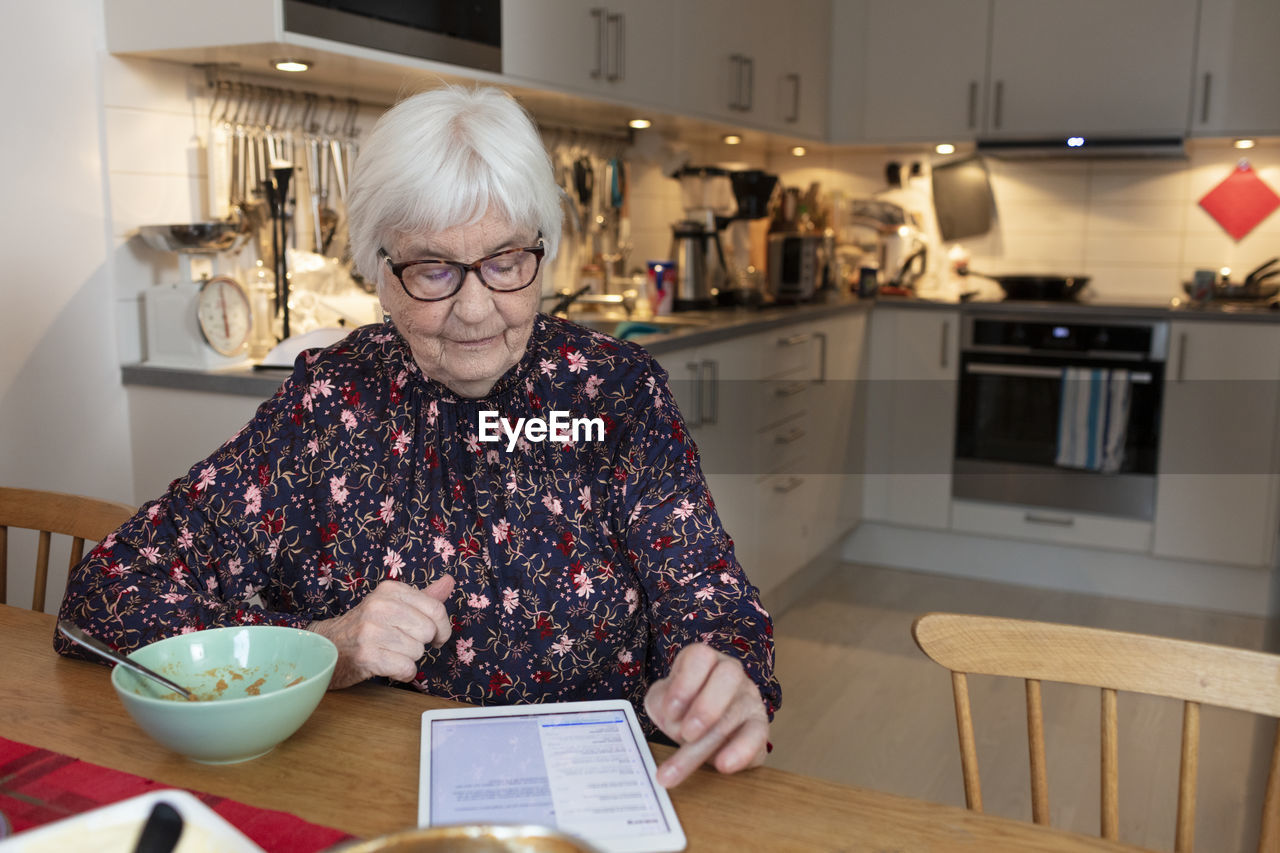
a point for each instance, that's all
(582, 768)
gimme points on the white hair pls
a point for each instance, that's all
(445, 158)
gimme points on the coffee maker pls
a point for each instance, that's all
(754, 190)
(701, 273)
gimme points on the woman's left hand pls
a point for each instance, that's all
(711, 709)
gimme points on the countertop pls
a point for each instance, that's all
(722, 324)
(716, 325)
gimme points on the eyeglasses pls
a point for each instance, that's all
(432, 280)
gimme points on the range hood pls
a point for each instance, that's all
(1085, 148)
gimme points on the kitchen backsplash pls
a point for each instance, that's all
(1134, 226)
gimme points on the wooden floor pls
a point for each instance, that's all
(862, 705)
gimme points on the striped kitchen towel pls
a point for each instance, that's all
(1093, 417)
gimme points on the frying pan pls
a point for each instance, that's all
(1049, 288)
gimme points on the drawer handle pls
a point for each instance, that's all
(1054, 520)
(790, 438)
(793, 340)
(792, 389)
(792, 484)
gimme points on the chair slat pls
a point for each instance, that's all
(1269, 837)
(1185, 836)
(42, 571)
(968, 748)
(4, 564)
(1035, 746)
(1110, 767)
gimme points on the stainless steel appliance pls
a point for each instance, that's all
(796, 263)
(459, 32)
(1013, 388)
(700, 267)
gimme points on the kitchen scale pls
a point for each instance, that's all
(202, 321)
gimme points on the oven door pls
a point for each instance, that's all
(1007, 435)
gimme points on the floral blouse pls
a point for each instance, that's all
(581, 567)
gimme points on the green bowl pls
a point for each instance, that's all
(257, 684)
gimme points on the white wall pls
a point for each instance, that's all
(63, 421)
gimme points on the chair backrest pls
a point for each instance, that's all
(83, 519)
(1196, 673)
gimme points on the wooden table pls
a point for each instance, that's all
(354, 766)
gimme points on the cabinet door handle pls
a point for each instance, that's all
(795, 98)
(791, 437)
(1182, 357)
(791, 389)
(618, 23)
(822, 355)
(1204, 98)
(735, 79)
(750, 65)
(711, 369)
(998, 117)
(973, 104)
(793, 483)
(695, 371)
(794, 340)
(944, 357)
(599, 14)
(1054, 520)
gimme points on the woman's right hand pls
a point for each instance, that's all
(385, 634)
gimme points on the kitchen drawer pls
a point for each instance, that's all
(780, 448)
(783, 399)
(1042, 525)
(792, 354)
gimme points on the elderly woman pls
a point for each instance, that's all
(363, 502)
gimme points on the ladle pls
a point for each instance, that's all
(80, 638)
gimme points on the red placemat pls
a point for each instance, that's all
(38, 786)
(1241, 201)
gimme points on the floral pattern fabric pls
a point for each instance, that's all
(581, 567)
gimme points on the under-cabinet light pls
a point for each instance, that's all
(291, 65)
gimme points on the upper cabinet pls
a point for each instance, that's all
(618, 51)
(1237, 69)
(1081, 67)
(756, 63)
(935, 70)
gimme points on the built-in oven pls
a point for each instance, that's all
(1060, 411)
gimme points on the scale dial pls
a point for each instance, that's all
(224, 314)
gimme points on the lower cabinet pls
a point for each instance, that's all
(775, 418)
(1216, 495)
(911, 404)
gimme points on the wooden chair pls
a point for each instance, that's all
(1197, 673)
(83, 519)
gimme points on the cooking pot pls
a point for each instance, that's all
(1048, 288)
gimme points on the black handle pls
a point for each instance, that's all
(162, 830)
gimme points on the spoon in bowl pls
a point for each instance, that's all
(101, 649)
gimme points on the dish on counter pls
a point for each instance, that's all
(115, 829)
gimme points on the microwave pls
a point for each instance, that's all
(466, 33)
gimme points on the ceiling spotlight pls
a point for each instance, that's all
(640, 123)
(732, 139)
(292, 65)
(799, 151)
(1244, 143)
(945, 148)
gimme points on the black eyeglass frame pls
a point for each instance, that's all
(397, 270)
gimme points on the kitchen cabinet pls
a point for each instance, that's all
(1237, 69)
(1216, 494)
(755, 63)
(933, 70)
(617, 50)
(774, 417)
(911, 411)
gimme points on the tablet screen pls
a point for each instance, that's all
(581, 768)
